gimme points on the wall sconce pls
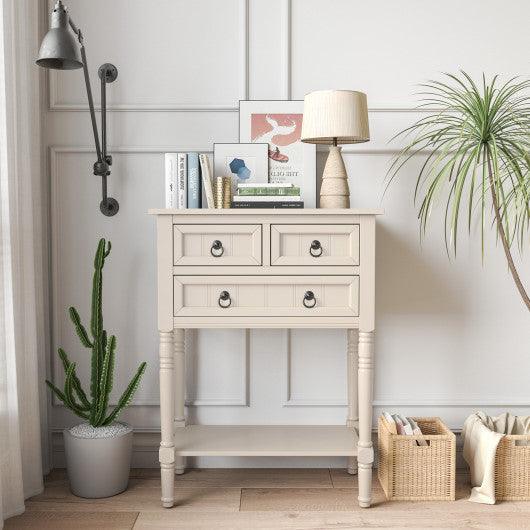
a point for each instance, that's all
(60, 50)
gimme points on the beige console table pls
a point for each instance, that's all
(266, 269)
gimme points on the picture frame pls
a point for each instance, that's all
(279, 124)
(244, 162)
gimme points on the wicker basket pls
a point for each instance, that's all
(512, 468)
(408, 471)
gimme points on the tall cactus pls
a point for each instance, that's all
(94, 410)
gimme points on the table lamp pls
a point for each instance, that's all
(335, 117)
(62, 49)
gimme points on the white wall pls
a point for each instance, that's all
(452, 335)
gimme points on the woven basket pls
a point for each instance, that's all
(408, 471)
(512, 468)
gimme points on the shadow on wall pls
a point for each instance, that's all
(407, 282)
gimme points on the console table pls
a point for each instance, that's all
(266, 269)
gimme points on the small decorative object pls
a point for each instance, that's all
(60, 51)
(335, 117)
(479, 142)
(245, 162)
(223, 192)
(98, 453)
(279, 124)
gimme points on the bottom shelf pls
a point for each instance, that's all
(265, 440)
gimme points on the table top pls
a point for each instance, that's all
(266, 211)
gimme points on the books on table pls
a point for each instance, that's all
(187, 176)
(267, 195)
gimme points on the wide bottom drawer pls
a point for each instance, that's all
(270, 296)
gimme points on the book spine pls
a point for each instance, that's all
(266, 204)
(267, 198)
(182, 194)
(171, 171)
(257, 191)
(206, 179)
(194, 181)
(265, 185)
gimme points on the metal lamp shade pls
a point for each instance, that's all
(60, 48)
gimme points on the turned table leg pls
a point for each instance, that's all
(353, 401)
(167, 406)
(180, 392)
(365, 453)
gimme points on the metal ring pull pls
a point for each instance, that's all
(217, 249)
(316, 249)
(309, 299)
(224, 300)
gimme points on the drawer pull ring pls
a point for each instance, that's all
(315, 249)
(217, 249)
(309, 299)
(224, 299)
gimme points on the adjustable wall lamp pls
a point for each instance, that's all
(61, 51)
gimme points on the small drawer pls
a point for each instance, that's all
(216, 244)
(272, 296)
(315, 245)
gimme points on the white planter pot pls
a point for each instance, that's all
(98, 467)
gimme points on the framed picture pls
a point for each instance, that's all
(245, 162)
(279, 124)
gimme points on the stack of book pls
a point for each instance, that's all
(398, 424)
(188, 178)
(273, 195)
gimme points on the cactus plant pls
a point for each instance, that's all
(94, 410)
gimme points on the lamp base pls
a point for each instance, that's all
(334, 191)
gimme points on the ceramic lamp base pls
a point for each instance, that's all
(334, 191)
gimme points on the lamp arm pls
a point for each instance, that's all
(79, 35)
(91, 104)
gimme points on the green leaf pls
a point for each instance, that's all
(75, 381)
(105, 383)
(79, 328)
(126, 397)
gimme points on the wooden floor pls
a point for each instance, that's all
(248, 499)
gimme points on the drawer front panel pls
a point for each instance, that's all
(217, 245)
(315, 245)
(273, 296)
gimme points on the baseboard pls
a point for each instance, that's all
(145, 455)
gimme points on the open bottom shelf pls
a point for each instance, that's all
(265, 440)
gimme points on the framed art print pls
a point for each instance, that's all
(279, 124)
(244, 162)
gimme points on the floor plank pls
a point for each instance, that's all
(370, 518)
(298, 500)
(246, 478)
(91, 520)
(142, 495)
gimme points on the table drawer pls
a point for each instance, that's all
(315, 244)
(216, 244)
(272, 296)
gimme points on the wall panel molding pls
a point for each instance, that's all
(243, 393)
(55, 105)
(286, 376)
(287, 63)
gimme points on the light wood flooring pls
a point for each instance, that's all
(248, 499)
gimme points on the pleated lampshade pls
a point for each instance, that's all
(335, 114)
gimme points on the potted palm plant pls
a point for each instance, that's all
(478, 135)
(98, 451)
